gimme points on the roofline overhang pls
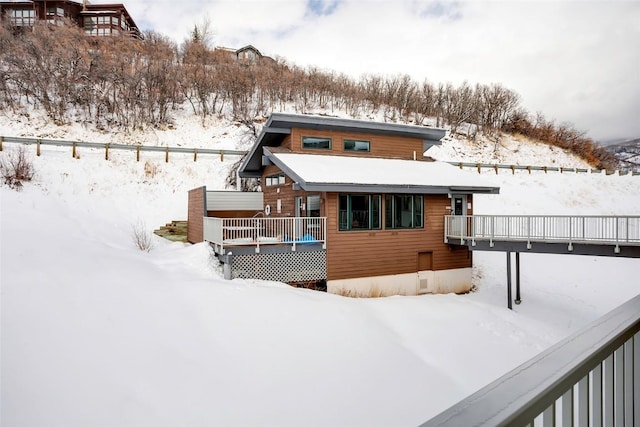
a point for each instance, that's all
(350, 125)
(252, 159)
(388, 188)
(301, 184)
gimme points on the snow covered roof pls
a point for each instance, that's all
(315, 172)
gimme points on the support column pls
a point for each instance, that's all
(509, 298)
(518, 300)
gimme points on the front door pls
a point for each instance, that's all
(459, 203)
(459, 209)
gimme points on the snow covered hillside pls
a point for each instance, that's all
(96, 332)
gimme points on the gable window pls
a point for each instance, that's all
(274, 180)
(359, 212)
(354, 145)
(316, 143)
(404, 211)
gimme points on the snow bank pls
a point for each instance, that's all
(95, 332)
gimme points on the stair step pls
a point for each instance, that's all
(176, 231)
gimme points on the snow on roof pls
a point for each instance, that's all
(323, 172)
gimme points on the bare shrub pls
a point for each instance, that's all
(16, 168)
(142, 236)
(150, 169)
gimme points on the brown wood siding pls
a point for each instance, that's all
(381, 145)
(286, 195)
(195, 213)
(286, 143)
(353, 254)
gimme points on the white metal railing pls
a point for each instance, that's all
(610, 230)
(259, 231)
(591, 378)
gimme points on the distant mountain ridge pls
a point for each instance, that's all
(627, 153)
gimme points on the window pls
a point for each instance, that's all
(55, 11)
(313, 205)
(315, 143)
(89, 23)
(404, 211)
(274, 180)
(359, 212)
(22, 17)
(353, 145)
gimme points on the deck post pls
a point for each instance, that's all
(518, 300)
(227, 263)
(509, 305)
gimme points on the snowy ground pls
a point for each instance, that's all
(95, 332)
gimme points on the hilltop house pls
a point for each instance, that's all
(353, 203)
(96, 19)
(246, 54)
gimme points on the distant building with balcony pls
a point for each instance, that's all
(110, 19)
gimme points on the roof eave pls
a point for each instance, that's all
(390, 189)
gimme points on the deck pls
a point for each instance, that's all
(258, 233)
(578, 235)
(291, 250)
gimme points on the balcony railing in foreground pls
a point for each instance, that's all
(591, 378)
(602, 230)
(260, 231)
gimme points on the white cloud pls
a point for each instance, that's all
(575, 61)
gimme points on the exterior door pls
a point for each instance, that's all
(459, 209)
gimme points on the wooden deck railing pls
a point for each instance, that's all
(260, 231)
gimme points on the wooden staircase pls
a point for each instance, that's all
(176, 231)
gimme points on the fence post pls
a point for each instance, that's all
(222, 155)
(166, 155)
(138, 154)
(195, 154)
(73, 150)
(1, 143)
(478, 166)
(38, 148)
(496, 168)
(106, 151)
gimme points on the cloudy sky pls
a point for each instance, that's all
(574, 61)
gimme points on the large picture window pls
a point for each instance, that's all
(359, 212)
(404, 211)
(316, 143)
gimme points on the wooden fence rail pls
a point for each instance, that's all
(221, 152)
(38, 142)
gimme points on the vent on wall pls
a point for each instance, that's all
(424, 284)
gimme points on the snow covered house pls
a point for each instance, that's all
(353, 203)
